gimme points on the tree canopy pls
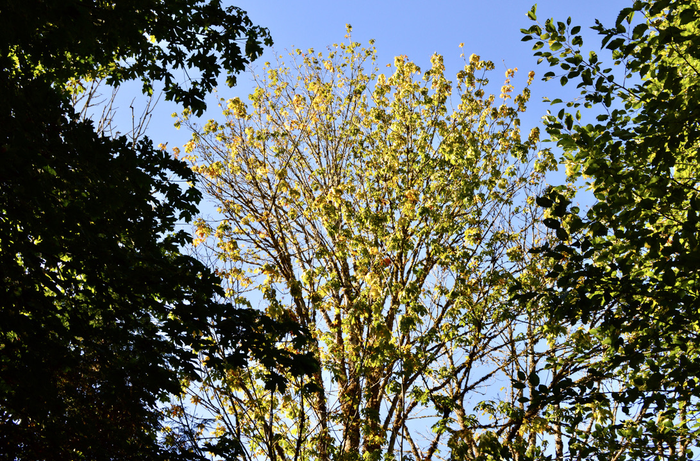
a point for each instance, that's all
(627, 269)
(100, 312)
(389, 214)
(393, 227)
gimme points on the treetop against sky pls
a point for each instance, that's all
(412, 28)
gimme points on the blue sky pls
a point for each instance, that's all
(420, 28)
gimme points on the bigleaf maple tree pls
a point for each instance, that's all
(389, 215)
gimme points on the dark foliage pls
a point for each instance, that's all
(101, 315)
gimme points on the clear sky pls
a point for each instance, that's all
(420, 28)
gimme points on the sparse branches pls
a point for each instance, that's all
(90, 103)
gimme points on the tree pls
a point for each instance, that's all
(100, 312)
(131, 39)
(388, 215)
(626, 271)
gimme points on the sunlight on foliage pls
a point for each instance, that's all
(389, 214)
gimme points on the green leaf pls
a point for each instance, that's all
(534, 379)
(552, 223)
(615, 44)
(532, 13)
(562, 234)
(544, 202)
(639, 30)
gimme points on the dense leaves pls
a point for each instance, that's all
(627, 276)
(100, 313)
(96, 298)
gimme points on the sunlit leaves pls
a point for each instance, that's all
(628, 277)
(389, 213)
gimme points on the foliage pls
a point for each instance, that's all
(130, 39)
(389, 215)
(627, 277)
(85, 254)
(100, 313)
